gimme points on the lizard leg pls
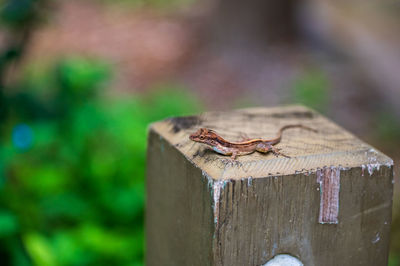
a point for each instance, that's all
(233, 156)
(277, 152)
(264, 148)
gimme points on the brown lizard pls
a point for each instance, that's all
(220, 145)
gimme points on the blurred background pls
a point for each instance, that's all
(81, 80)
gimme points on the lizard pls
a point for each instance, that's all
(222, 146)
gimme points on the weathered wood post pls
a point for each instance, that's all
(327, 205)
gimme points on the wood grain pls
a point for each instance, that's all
(332, 145)
(330, 204)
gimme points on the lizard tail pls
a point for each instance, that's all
(279, 136)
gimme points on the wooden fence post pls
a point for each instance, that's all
(328, 205)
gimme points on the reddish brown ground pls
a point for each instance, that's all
(148, 48)
(144, 46)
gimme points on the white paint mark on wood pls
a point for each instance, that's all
(329, 182)
(210, 181)
(373, 162)
(217, 187)
(376, 238)
(274, 247)
(284, 260)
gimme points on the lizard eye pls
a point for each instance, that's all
(201, 137)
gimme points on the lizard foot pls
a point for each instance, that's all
(277, 152)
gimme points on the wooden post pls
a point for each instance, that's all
(329, 204)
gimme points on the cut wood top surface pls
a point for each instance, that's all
(331, 146)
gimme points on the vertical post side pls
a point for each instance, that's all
(282, 215)
(179, 223)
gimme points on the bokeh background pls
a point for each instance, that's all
(80, 81)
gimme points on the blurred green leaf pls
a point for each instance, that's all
(394, 260)
(17, 11)
(158, 4)
(81, 77)
(8, 223)
(68, 250)
(388, 127)
(64, 207)
(39, 249)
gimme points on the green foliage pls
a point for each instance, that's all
(8, 223)
(394, 260)
(40, 249)
(388, 127)
(155, 4)
(73, 166)
(312, 89)
(16, 13)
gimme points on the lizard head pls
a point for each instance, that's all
(204, 135)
